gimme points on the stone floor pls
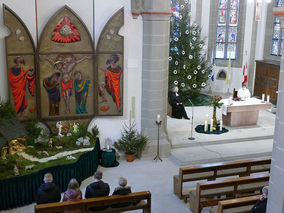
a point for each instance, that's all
(142, 175)
(238, 143)
(157, 177)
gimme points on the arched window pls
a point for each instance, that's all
(278, 34)
(227, 29)
(221, 75)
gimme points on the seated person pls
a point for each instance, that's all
(122, 189)
(260, 206)
(177, 104)
(243, 92)
(48, 192)
(73, 193)
(97, 189)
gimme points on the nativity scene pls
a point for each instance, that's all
(123, 106)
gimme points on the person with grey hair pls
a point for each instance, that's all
(260, 206)
(122, 189)
(97, 189)
(48, 192)
(178, 110)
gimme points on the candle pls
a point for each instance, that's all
(221, 125)
(107, 147)
(211, 125)
(263, 96)
(207, 118)
(268, 98)
(158, 118)
(206, 126)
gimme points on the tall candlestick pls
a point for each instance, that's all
(268, 98)
(206, 126)
(263, 96)
(158, 118)
(211, 125)
(221, 125)
(207, 118)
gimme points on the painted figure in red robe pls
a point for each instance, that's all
(18, 79)
(112, 80)
(65, 64)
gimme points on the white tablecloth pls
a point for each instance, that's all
(230, 102)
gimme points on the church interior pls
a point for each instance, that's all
(156, 106)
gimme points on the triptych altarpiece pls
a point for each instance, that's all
(64, 77)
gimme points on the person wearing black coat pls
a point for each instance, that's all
(97, 189)
(48, 192)
(122, 190)
(260, 206)
(178, 110)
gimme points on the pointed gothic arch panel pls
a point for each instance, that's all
(109, 39)
(65, 32)
(66, 69)
(20, 58)
(110, 67)
(20, 39)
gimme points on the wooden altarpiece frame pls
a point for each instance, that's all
(51, 51)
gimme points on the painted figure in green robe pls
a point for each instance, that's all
(81, 87)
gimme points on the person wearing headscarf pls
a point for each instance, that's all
(51, 85)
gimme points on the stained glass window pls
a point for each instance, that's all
(278, 35)
(227, 29)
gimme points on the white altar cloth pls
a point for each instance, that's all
(230, 102)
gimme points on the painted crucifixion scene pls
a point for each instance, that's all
(66, 85)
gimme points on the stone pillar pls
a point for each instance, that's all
(156, 28)
(276, 182)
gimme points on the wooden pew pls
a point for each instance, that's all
(216, 170)
(238, 204)
(139, 200)
(211, 192)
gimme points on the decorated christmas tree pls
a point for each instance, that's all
(188, 69)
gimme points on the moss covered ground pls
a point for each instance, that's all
(7, 166)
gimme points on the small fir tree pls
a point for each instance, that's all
(131, 142)
(188, 67)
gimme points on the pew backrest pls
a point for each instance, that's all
(237, 203)
(211, 192)
(217, 170)
(138, 200)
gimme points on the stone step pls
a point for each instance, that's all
(196, 142)
(221, 152)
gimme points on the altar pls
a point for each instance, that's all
(242, 113)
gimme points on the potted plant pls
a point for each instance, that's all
(131, 142)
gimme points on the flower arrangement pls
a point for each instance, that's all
(215, 101)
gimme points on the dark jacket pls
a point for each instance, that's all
(121, 191)
(48, 193)
(178, 111)
(71, 195)
(174, 99)
(97, 189)
(259, 207)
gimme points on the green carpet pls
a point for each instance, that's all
(201, 100)
(200, 129)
